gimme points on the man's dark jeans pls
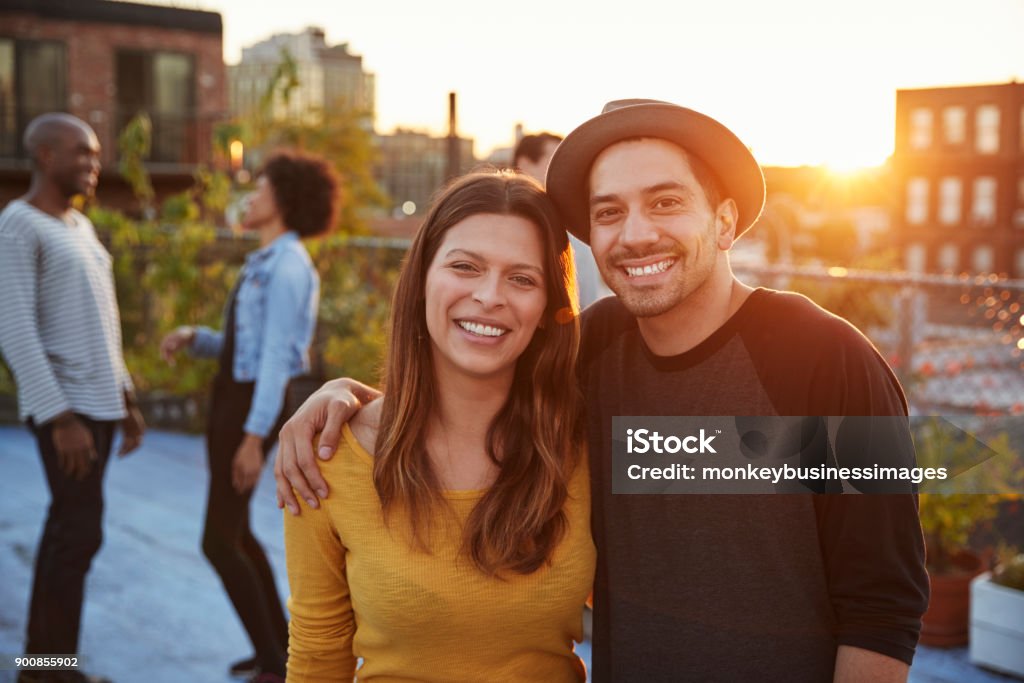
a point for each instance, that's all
(72, 535)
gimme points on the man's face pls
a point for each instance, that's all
(654, 235)
(72, 161)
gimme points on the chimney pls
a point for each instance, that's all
(452, 168)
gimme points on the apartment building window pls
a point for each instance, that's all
(950, 195)
(914, 258)
(986, 129)
(162, 85)
(984, 260)
(954, 125)
(917, 201)
(921, 128)
(949, 258)
(33, 80)
(983, 207)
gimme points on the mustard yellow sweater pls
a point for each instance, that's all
(360, 590)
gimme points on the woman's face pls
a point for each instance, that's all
(260, 207)
(485, 295)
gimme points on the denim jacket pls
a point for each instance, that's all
(275, 317)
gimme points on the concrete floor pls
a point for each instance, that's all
(155, 611)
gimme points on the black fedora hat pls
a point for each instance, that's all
(714, 144)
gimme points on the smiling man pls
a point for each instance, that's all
(707, 587)
(720, 587)
(61, 337)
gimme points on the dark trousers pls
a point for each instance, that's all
(71, 536)
(228, 542)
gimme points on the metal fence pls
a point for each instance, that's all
(956, 342)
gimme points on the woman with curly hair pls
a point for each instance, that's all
(269, 324)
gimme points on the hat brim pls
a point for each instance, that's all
(735, 167)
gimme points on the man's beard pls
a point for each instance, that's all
(689, 272)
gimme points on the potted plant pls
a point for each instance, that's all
(951, 512)
(947, 521)
(997, 616)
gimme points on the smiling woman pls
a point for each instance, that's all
(485, 293)
(463, 518)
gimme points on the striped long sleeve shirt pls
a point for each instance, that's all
(60, 332)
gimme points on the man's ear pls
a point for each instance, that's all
(43, 156)
(725, 224)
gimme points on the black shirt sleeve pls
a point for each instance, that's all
(872, 546)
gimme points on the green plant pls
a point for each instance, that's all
(355, 302)
(980, 472)
(134, 144)
(1009, 571)
(948, 521)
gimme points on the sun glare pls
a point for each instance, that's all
(854, 153)
(850, 157)
(846, 168)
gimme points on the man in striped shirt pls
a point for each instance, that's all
(61, 336)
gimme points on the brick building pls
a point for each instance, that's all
(329, 76)
(959, 172)
(411, 166)
(104, 62)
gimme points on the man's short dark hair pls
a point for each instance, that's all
(532, 147)
(707, 180)
(305, 190)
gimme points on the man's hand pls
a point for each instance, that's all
(132, 429)
(76, 452)
(326, 411)
(175, 341)
(857, 665)
(245, 468)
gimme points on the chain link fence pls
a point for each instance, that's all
(956, 343)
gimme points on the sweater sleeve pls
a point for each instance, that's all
(322, 623)
(20, 342)
(207, 343)
(872, 545)
(288, 303)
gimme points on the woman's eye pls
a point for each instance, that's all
(523, 280)
(466, 267)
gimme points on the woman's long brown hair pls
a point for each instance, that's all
(535, 439)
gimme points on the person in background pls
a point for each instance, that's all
(458, 547)
(269, 325)
(532, 156)
(61, 338)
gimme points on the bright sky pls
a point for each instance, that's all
(800, 81)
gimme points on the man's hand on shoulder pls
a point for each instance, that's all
(325, 412)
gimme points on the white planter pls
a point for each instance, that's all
(997, 626)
